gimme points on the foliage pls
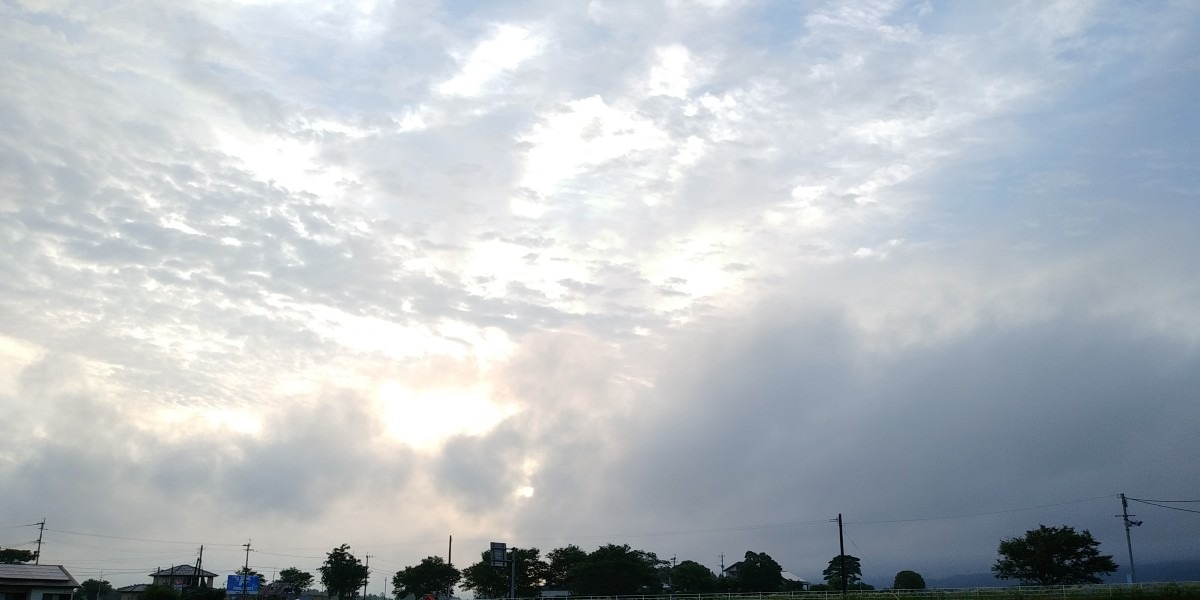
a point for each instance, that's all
(691, 577)
(613, 570)
(158, 591)
(247, 571)
(342, 574)
(833, 573)
(14, 556)
(202, 592)
(488, 581)
(758, 572)
(432, 575)
(92, 589)
(908, 580)
(1053, 556)
(560, 563)
(299, 580)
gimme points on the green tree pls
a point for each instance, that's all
(1053, 556)
(299, 580)
(613, 570)
(431, 576)
(560, 563)
(202, 592)
(92, 589)
(14, 556)
(908, 580)
(834, 574)
(158, 591)
(343, 574)
(691, 577)
(488, 581)
(758, 572)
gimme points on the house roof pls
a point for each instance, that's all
(792, 577)
(182, 571)
(135, 588)
(49, 575)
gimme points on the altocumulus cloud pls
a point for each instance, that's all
(693, 276)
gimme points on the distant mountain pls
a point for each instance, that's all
(968, 580)
(1172, 570)
(1175, 570)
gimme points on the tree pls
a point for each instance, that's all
(299, 580)
(613, 570)
(432, 576)
(691, 577)
(488, 581)
(202, 592)
(92, 589)
(758, 572)
(1053, 556)
(158, 591)
(908, 580)
(833, 573)
(342, 573)
(560, 563)
(248, 572)
(14, 556)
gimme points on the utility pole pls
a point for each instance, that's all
(368, 577)
(246, 569)
(199, 561)
(1128, 543)
(722, 564)
(37, 558)
(842, 554)
(512, 576)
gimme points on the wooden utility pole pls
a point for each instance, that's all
(842, 555)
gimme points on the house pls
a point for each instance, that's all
(36, 582)
(177, 577)
(794, 582)
(131, 592)
(183, 576)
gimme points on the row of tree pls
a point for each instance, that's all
(1043, 556)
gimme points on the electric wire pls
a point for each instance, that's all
(983, 514)
(1188, 510)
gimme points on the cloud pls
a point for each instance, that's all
(694, 277)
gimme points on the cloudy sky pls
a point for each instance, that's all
(691, 275)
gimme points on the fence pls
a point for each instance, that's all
(1115, 591)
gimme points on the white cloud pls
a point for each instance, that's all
(502, 52)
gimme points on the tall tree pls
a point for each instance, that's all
(560, 563)
(92, 589)
(489, 581)
(299, 580)
(431, 576)
(613, 570)
(1053, 556)
(691, 577)
(14, 556)
(342, 573)
(833, 573)
(908, 580)
(758, 572)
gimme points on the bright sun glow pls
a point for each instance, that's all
(424, 419)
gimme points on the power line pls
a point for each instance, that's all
(984, 514)
(1164, 506)
(131, 539)
(1166, 501)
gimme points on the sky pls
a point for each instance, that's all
(695, 276)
